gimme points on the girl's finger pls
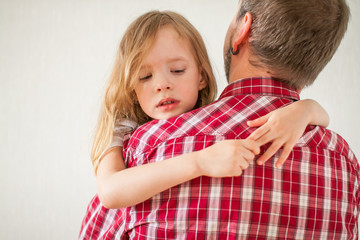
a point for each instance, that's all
(244, 165)
(259, 121)
(266, 138)
(252, 146)
(258, 132)
(275, 146)
(248, 155)
(284, 155)
(238, 172)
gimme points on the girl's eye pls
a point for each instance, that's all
(178, 71)
(146, 77)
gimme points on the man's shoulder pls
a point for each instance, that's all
(317, 138)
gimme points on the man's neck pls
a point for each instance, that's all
(247, 74)
(242, 68)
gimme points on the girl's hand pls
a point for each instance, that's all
(227, 158)
(283, 127)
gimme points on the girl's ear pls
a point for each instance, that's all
(134, 97)
(203, 82)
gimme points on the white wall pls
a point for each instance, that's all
(54, 59)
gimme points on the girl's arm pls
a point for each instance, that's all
(283, 127)
(120, 187)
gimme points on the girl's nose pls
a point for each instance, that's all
(163, 84)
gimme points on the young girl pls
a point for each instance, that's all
(162, 70)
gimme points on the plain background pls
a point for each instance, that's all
(55, 57)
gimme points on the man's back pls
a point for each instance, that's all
(315, 194)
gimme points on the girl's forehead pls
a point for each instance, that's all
(168, 41)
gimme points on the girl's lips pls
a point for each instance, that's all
(167, 104)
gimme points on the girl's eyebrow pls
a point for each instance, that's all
(177, 59)
(144, 67)
(171, 60)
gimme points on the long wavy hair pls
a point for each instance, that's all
(119, 100)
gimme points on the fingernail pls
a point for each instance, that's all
(260, 162)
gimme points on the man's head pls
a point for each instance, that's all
(288, 40)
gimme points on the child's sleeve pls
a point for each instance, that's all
(122, 127)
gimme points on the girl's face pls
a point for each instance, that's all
(169, 80)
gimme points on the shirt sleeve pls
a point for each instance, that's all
(122, 127)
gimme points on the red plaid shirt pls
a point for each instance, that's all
(314, 195)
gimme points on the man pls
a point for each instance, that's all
(273, 49)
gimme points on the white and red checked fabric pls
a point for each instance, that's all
(315, 195)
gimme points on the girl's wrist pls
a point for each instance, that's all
(306, 109)
(316, 114)
(198, 163)
(309, 111)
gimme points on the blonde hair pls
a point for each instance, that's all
(295, 39)
(119, 101)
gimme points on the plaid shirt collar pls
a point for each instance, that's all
(260, 86)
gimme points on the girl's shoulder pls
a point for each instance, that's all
(124, 125)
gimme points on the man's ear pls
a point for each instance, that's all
(243, 31)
